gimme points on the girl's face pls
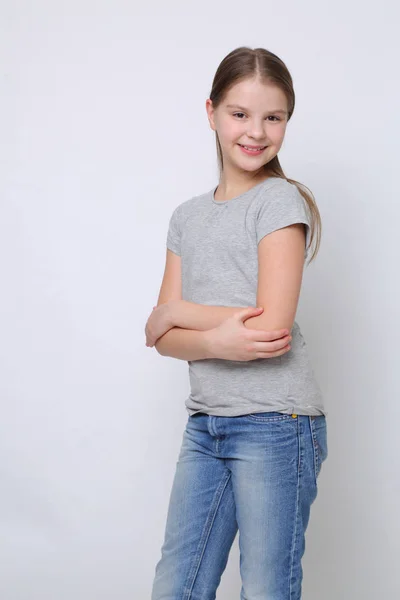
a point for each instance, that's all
(252, 114)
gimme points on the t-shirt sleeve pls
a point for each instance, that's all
(174, 232)
(281, 206)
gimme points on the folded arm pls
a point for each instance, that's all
(185, 344)
(280, 272)
(201, 317)
(188, 339)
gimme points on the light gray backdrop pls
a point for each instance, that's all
(103, 133)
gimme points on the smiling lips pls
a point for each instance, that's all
(252, 149)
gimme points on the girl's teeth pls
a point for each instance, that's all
(254, 149)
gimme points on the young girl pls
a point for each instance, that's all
(256, 433)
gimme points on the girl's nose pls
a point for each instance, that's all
(255, 130)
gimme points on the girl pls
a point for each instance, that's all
(256, 435)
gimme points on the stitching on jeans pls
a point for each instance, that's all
(294, 540)
(187, 591)
(315, 450)
(254, 417)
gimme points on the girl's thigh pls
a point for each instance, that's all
(274, 480)
(201, 521)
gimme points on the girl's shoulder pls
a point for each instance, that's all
(280, 192)
(275, 185)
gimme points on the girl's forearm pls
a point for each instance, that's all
(190, 337)
(185, 344)
(200, 317)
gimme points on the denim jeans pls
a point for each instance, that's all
(256, 474)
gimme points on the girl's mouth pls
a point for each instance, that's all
(254, 151)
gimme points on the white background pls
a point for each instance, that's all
(103, 133)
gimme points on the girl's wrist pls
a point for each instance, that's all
(209, 344)
(173, 312)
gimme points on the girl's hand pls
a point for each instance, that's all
(158, 323)
(231, 340)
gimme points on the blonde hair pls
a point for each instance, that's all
(244, 63)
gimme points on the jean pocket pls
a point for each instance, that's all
(320, 442)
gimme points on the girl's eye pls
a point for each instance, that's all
(269, 117)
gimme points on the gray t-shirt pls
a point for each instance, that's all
(217, 242)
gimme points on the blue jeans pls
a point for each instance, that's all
(256, 474)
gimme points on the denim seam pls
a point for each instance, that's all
(187, 591)
(294, 540)
(253, 417)
(315, 450)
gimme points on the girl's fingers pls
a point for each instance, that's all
(273, 346)
(274, 354)
(260, 335)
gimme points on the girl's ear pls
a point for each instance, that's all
(210, 113)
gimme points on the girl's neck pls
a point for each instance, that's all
(227, 190)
